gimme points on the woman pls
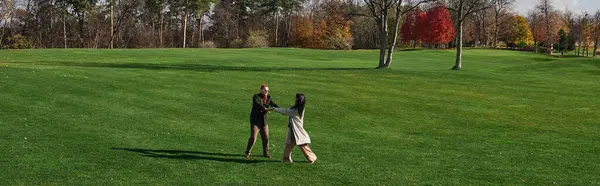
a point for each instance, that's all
(258, 120)
(296, 134)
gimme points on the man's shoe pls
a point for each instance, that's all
(267, 155)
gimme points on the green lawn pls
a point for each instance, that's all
(180, 117)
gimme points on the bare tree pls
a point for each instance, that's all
(583, 24)
(546, 8)
(462, 10)
(595, 24)
(379, 10)
(482, 21)
(500, 10)
(6, 11)
(532, 19)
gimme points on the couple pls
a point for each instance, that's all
(261, 105)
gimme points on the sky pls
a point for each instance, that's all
(577, 6)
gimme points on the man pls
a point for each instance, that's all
(258, 120)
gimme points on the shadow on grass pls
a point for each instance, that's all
(543, 59)
(192, 67)
(193, 155)
(410, 49)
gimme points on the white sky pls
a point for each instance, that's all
(577, 6)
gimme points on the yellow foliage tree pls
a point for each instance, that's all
(522, 33)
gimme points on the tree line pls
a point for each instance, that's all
(319, 24)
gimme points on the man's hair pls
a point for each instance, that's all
(263, 86)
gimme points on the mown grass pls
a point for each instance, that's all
(180, 116)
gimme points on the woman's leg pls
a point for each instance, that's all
(264, 135)
(310, 156)
(287, 153)
(252, 139)
(290, 142)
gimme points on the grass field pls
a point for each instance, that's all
(180, 117)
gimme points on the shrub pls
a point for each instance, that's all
(529, 48)
(544, 50)
(339, 39)
(18, 42)
(522, 44)
(208, 44)
(237, 43)
(257, 39)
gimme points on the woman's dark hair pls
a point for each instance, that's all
(300, 103)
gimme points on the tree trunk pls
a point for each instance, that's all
(388, 62)
(548, 36)
(587, 51)
(201, 29)
(383, 40)
(595, 47)
(2, 35)
(81, 30)
(4, 15)
(185, 20)
(112, 23)
(289, 31)
(496, 31)
(160, 30)
(276, 28)
(65, 28)
(458, 64)
(51, 29)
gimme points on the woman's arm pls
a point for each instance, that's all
(286, 111)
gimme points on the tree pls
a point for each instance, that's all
(562, 42)
(407, 29)
(379, 10)
(6, 11)
(596, 31)
(584, 28)
(202, 7)
(363, 28)
(534, 24)
(302, 32)
(337, 34)
(439, 28)
(224, 23)
(478, 26)
(80, 9)
(414, 26)
(522, 33)
(155, 17)
(463, 9)
(546, 8)
(508, 29)
(568, 18)
(500, 7)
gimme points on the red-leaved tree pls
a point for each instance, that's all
(414, 27)
(408, 26)
(439, 28)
